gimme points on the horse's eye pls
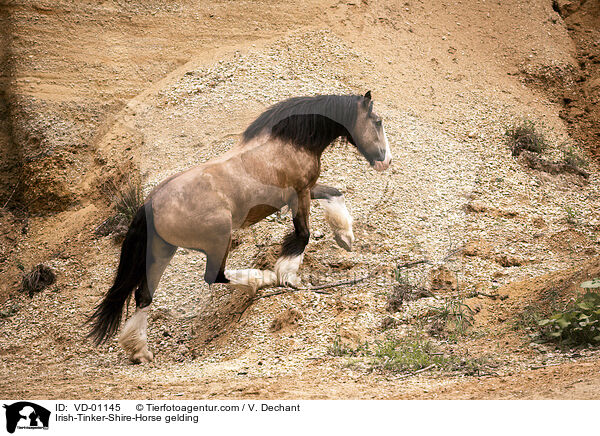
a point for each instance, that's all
(378, 123)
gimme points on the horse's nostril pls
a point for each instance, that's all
(390, 161)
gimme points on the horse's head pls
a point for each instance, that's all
(368, 135)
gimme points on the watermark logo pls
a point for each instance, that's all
(26, 415)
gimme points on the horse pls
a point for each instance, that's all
(276, 164)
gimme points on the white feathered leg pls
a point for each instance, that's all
(134, 337)
(286, 270)
(340, 221)
(251, 279)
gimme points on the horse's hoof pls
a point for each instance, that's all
(143, 356)
(344, 239)
(269, 279)
(290, 280)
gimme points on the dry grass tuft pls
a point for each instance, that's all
(40, 277)
(525, 136)
(127, 200)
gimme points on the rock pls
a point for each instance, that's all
(478, 247)
(477, 206)
(566, 7)
(539, 222)
(286, 319)
(442, 279)
(507, 260)
(388, 323)
(576, 112)
(161, 313)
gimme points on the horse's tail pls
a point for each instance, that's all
(131, 273)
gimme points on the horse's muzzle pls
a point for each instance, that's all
(382, 165)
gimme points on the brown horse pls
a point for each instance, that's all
(276, 164)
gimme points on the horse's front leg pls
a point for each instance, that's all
(292, 250)
(336, 214)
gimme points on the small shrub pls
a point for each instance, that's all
(416, 352)
(127, 201)
(572, 157)
(528, 318)
(578, 325)
(40, 277)
(571, 215)
(11, 311)
(525, 136)
(338, 348)
(402, 355)
(403, 291)
(395, 298)
(114, 225)
(453, 316)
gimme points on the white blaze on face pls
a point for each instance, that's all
(384, 165)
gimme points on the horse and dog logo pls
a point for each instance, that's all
(26, 415)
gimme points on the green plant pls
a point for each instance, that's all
(129, 199)
(525, 135)
(11, 311)
(577, 325)
(401, 355)
(573, 157)
(453, 315)
(415, 353)
(338, 348)
(571, 215)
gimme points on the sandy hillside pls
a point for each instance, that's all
(166, 87)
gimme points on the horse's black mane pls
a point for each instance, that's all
(311, 122)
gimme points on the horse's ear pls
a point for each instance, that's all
(367, 101)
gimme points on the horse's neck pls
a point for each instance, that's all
(296, 165)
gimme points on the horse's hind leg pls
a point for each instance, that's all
(134, 338)
(336, 214)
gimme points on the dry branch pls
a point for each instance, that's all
(316, 289)
(418, 371)
(538, 163)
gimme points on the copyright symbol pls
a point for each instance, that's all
(139, 407)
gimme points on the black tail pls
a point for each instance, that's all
(131, 273)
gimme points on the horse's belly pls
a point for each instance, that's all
(258, 213)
